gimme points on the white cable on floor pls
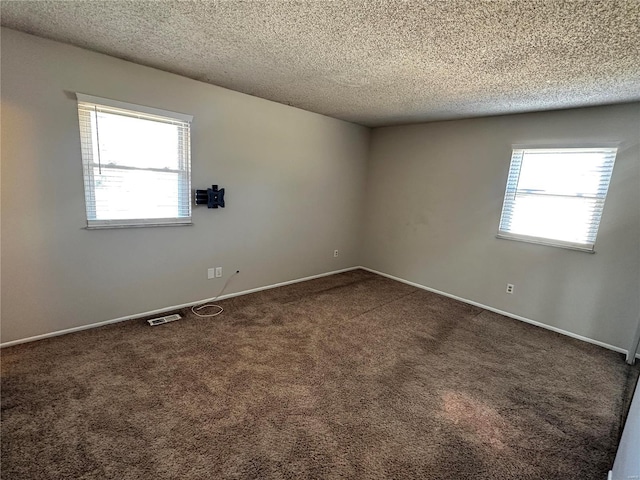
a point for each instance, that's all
(212, 305)
(207, 305)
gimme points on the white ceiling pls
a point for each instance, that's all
(370, 62)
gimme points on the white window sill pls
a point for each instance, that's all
(140, 225)
(547, 242)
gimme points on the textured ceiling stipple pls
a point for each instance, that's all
(370, 62)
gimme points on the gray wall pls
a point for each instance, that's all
(295, 183)
(435, 194)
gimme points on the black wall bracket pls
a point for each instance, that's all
(211, 197)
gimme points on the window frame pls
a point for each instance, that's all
(88, 163)
(509, 195)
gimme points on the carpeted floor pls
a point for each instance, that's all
(348, 376)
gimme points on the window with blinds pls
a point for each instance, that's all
(556, 196)
(136, 163)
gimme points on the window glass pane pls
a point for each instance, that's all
(127, 194)
(573, 173)
(558, 218)
(135, 142)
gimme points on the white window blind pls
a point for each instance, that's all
(556, 196)
(136, 163)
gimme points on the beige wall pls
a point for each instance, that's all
(295, 182)
(435, 193)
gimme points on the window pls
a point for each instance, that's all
(556, 196)
(136, 163)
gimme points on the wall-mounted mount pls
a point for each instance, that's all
(212, 197)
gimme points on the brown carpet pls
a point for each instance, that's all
(348, 376)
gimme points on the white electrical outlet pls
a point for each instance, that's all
(218, 272)
(335, 253)
(510, 287)
(211, 273)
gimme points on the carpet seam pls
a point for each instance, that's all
(383, 304)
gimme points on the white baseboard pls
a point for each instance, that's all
(304, 279)
(502, 312)
(168, 309)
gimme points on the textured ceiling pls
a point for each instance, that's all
(370, 62)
